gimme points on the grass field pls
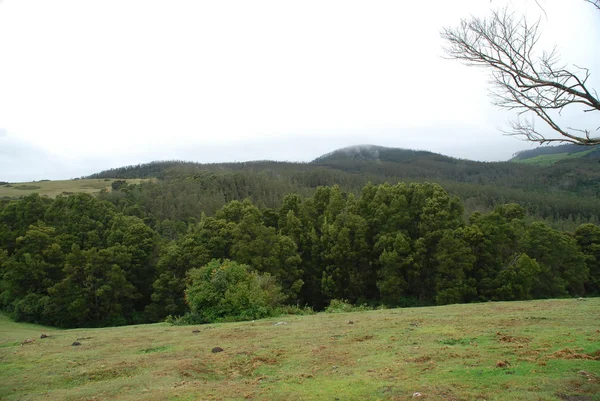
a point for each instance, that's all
(54, 188)
(550, 159)
(537, 350)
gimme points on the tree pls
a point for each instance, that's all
(455, 260)
(516, 281)
(542, 86)
(563, 266)
(95, 290)
(347, 273)
(588, 240)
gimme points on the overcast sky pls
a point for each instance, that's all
(90, 85)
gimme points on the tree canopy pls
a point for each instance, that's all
(77, 261)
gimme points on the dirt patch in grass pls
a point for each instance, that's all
(574, 397)
(420, 359)
(569, 353)
(319, 349)
(504, 338)
(364, 338)
(246, 366)
(120, 370)
(193, 368)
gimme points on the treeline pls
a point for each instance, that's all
(79, 261)
(565, 195)
(185, 197)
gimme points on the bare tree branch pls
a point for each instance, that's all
(537, 85)
(595, 3)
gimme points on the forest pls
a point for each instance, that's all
(564, 195)
(206, 241)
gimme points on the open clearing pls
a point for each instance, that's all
(54, 188)
(535, 350)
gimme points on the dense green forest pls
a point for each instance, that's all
(565, 194)
(139, 253)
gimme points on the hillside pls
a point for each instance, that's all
(564, 194)
(549, 155)
(59, 187)
(517, 351)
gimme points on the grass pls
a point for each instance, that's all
(536, 350)
(54, 188)
(550, 159)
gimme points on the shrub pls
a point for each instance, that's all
(118, 184)
(342, 305)
(294, 310)
(228, 291)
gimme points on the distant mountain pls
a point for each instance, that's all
(375, 153)
(548, 155)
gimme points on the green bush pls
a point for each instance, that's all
(342, 305)
(225, 291)
(294, 310)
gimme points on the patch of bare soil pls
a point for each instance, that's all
(574, 397)
(193, 368)
(420, 359)
(364, 338)
(246, 367)
(569, 353)
(504, 338)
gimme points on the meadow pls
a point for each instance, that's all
(55, 188)
(531, 350)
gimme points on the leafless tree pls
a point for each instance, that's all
(507, 44)
(595, 3)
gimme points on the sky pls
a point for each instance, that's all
(91, 85)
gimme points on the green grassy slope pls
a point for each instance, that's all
(536, 350)
(549, 155)
(54, 188)
(550, 159)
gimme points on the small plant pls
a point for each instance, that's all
(342, 305)
(294, 310)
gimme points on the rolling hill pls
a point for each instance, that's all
(564, 193)
(549, 155)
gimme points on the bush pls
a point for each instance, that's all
(342, 305)
(118, 184)
(294, 310)
(225, 291)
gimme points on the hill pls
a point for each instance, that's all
(549, 155)
(565, 194)
(534, 350)
(54, 188)
(374, 154)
